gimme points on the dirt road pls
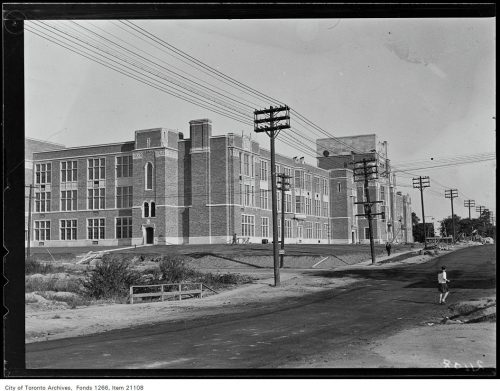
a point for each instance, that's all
(328, 326)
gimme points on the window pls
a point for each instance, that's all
(299, 204)
(123, 227)
(325, 231)
(307, 181)
(278, 200)
(325, 186)
(96, 169)
(67, 229)
(277, 168)
(68, 200)
(247, 225)
(265, 227)
(308, 206)
(95, 229)
(68, 171)
(149, 176)
(316, 184)
(367, 233)
(287, 171)
(317, 207)
(382, 193)
(264, 199)
(148, 142)
(43, 173)
(246, 165)
(325, 208)
(288, 228)
(42, 201)
(288, 203)
(146, 209)
(309, 229)
(299, 179)
(247, 198)
(241, 163)
(264, 175)
(124, 166)
(124, 197)
(252, 170)
(317, 230)
(42, 230)
(96, 198)
(153, 209)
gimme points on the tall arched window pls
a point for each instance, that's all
(153, 209)
(146, 209)
(149, 176)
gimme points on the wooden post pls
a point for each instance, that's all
(131, 295)
(201, 291)
(180, 291)
(161, 292)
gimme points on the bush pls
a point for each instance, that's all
(173, 269)
(110, 278)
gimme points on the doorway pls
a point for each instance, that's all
(149, 235)
(353, 237)
(299, 233)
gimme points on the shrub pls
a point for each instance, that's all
(173, 269)
(110, 279)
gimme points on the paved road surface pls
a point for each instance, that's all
(279, 333)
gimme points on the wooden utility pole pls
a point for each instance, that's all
(364, 171)
(272, 121)
(28, 250)
(469, 204)
(420, 183)
(284, 185)
(451, 194)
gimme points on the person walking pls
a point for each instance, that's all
(443, 286)
(388, 248)
(235, 239)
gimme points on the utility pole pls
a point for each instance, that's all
(469, 204)
(364, 171)
(451, 194)
(284, 185)
(28, 250)
(420, 183)
(272, 121)
(480, 209)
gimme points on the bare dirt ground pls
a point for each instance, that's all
(444, 342)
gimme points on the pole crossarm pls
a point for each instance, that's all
(451, 193)
(421, 182)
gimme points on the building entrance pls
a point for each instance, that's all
(149, 235)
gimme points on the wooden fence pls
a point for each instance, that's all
(167, 291)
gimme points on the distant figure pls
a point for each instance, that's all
(388, 248)
(443, 286)
(235, 239)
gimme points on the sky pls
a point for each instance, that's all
(426, 86)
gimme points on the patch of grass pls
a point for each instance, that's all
(173, 269)
(34, 267)
(72, 301)
(52, 284)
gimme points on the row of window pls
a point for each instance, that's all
(96, 170)
(303, 205)
(312, 231)
(95, 199)
(96, 229)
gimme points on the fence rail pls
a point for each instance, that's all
(165, 291)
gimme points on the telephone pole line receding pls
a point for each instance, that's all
(469, 204)
(451, 194)
(284, 185)
(420, 183)
(364, 171)
(480, 209)
(272, 121)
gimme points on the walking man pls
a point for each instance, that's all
(235, 239)
(443, 286)
(388, 248)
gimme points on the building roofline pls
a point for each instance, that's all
(46, 142)
(91, 146)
